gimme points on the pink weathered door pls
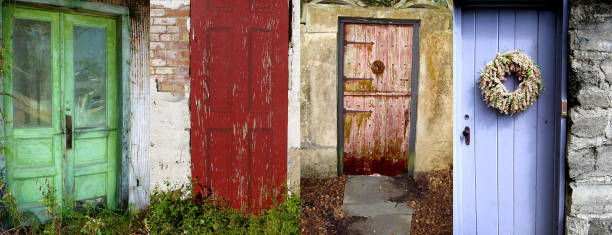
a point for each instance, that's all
(239, 74)
(377, 81)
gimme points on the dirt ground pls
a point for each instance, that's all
(321, 205)
(433, 207)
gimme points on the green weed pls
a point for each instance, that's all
(174, 212)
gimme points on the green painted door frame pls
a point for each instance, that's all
(86, 164)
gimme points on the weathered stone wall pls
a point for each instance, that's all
(170, 122)
(319, 80)
(589, 143)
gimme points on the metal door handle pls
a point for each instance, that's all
(68, 132)
(466, 134)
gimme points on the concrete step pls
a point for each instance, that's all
(363, 189)
(376, 209)
(382, 224)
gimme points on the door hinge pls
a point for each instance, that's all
(563, 108)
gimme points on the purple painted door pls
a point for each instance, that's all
(508, 173)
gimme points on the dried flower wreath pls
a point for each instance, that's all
(515, 64)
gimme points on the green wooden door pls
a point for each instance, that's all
(61, 123)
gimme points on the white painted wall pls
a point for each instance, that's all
(293, 120)
(170, 158)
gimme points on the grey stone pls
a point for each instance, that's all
(365, 189)
(589, 143)
(600, 226)
(379, 208)
(575, 143)
(586, 71)
(581, 162)
(383, 224)
(588, 123)
(590, 97)
(606, 68)
(576, 226)
(590, 198)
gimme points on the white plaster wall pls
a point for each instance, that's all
(170, 158)
(293, 119)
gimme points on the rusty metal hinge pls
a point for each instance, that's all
(563, 108)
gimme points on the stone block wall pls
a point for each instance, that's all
(318, 95)
(589, 141)
(170, 123)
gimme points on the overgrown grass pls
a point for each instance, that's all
(171, 212)
(174, 212)
(67, 219)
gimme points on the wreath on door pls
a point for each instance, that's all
(519, 66)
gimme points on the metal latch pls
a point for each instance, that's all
(563, 108)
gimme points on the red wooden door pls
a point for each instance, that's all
(377, 98)
(239, 75)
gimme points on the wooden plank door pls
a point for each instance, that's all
(90, 96)
(239, 52)
(34, 148)
(377, 92)
(508, 171)
(61, 126)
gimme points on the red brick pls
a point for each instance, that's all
(179, 13)
(158, 29)
(157, 12)
(154, 37)
(166, 37)
(164, 21)
(173, 29)
(157, 45)
(163, 70)
(178, 45)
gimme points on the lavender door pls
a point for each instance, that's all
(508, 174)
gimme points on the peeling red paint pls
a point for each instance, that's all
(377, 106)
(238, 100)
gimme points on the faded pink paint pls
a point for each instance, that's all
(377, 111)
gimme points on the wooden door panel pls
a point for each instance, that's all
(239, 101)
(32, 75)
(90, 101)
(508, 182)
(377, 106)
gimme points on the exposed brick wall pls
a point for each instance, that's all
(170, 47)
(170, 159)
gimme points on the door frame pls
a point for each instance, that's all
(561, 8)
(414, 80)
(121, 15)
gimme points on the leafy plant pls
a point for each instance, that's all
(175, 212)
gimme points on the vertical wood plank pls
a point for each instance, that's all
(545, 132)
(138, 160)
(505, 125)
(485, 127)
(467, 194)
(525, 140)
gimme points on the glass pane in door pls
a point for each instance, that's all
(31, 71)
(90, 77)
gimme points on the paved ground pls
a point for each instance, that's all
(378, 202)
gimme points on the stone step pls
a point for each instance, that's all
(365, 189)
(376, 209)
(382, 224)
